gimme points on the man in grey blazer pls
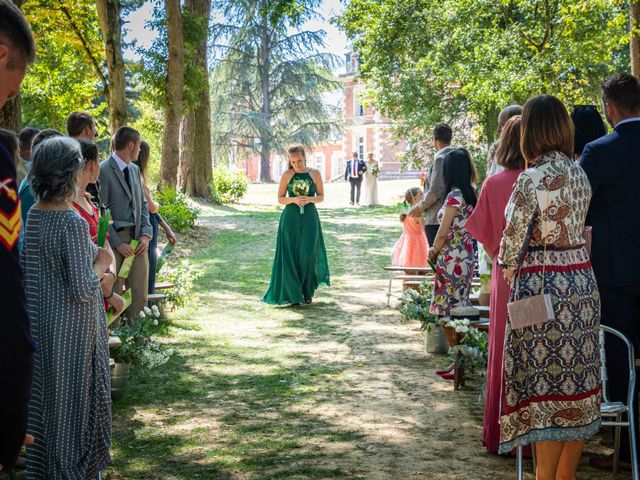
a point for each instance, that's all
(434, 183)
(121, 190)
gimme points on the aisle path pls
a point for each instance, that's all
(339, 389)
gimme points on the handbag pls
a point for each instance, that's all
(535, 310)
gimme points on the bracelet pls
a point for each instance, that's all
(110, 295)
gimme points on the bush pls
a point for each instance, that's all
(182, 276)
(227, 187)
(176, 210)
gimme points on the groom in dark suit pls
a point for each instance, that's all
(612, 164)
(354, 172)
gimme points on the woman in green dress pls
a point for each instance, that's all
(300, 264)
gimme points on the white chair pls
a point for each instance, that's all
(616, 410)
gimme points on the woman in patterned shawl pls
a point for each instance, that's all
(552, 392)
(70, 407)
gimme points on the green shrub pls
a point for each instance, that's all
(176, 210)
(227, 187)
(181, 275)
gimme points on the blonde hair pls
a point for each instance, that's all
(409, 196)
(296, 149)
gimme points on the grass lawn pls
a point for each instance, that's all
(338, 389)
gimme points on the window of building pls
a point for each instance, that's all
(358, 109)
(361, 148)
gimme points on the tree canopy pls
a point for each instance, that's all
(432, 60)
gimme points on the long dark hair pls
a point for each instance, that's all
(459, 172)
(143, 157)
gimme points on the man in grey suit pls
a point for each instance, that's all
(434, 183)
(121, 189)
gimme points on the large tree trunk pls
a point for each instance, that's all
(175, 87)
(11, 113)
(265, 138)
(111, 28)
(195, 157)
(634, 16)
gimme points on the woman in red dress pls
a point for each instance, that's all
(486, 224)
(88, 211)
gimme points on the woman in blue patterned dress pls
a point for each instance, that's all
(70, 407)
(551, 391)
(452, 250)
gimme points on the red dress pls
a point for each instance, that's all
(92, 219)
(412, 249)
(486, 224)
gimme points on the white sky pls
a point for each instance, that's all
(336, 40)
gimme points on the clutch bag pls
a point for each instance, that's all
(530, 311)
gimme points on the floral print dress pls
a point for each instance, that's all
(455, 263)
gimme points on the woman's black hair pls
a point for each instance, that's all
(589, 126)
(143, 157)
(89, 150)
(459, 172)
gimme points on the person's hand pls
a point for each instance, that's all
(170, 235)
(102, 261)
(416, 212)
(117, 302)
(28, 440)
(107, 282)
(433, 254)
(125, 250)
(509, 274)
(143, 246)
(303, 200)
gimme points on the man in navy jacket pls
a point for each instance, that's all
(612, 164)
(16, 347)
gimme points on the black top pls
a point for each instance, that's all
(16, 346)
(612, 164)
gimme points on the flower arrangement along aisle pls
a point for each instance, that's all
(138, 347)
(415, 304)
(472, 344)
(300, 188)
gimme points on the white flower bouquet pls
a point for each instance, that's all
(300, 188)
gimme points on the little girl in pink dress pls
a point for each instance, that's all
(412, 249)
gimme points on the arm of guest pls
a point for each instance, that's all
(436, 185)
(145, 223)
(79, 254)
(519, 213)
(443, 231)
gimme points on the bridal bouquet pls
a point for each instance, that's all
(375, 170)
(300, 188)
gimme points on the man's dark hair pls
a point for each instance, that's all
(123, 136)
(16, 33)
(26, 137)
(9, 140)
(623, 90)
(77, 122)
(89, 150)
(44, 134)
(443, 133)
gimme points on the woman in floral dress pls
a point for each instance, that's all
(452, 250)
(551, 392)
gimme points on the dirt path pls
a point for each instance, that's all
(339, 389)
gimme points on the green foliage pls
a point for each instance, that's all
(138, 347)
(473, 347)
(153, 67)
(268, 79)
(182, 276)
(227, 186)
(176, 210)
(427, 61)
(67, 73)
(415, 304)
(150, 123)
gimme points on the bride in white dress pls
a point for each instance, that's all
(371, 182)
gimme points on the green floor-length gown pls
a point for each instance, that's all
(300, 264)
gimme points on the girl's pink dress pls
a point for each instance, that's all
(412, 248)
(486, 225)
